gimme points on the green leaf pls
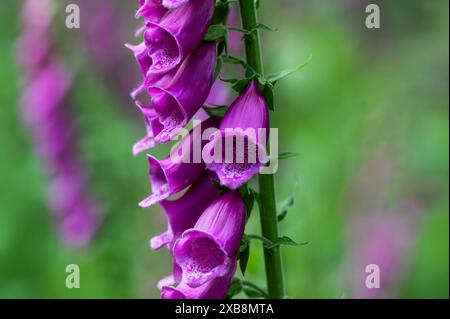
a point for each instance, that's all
(253, 291)
(219, 65)
(237, 29)
(265, 241)
(268, 244)
(241, 85)
(264, 27)
(216, 111)
(285, 241)
(244, 254)
(284, 207)
(233, 60)
(259, 26)
(232, 81)
(268, 95)
(274, 77)
(248, 195)
(222, 47)
(221, 13)
(235, 288)
(216, 32)
(219, 186)
(249, 71)
(286, 155)
(281, 216)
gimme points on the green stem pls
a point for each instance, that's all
(267, 201)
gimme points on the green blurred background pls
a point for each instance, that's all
(368, 117)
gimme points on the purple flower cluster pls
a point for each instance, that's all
(205, 223)
(45, 109)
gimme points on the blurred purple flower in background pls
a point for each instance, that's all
(45, 109)
(378, 235)
(383, 239)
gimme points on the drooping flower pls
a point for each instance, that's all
(151, 10)
(239, 147)
(213, 289)
(176, 100)
(154, 10)
(177, 33)
(184, 212)
(208, 250)
(180, 169)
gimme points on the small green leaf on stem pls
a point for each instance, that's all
(244, 254)
(218, 111)
(274, 77)
(235, 288)
(284, 207)
(268, 95)
(266, 242)
(241, 85)
(286, 155)
(285, 241)
(218, 69)
(216, 32)
(253, 291)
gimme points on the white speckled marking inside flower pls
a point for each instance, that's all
(202, 257)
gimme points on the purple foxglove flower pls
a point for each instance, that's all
(383, 239)
(214, 289)
(142, 58)
(179, 170)
(176, 102)
(178, 32)
(245, 128)
(171, 4)
(79, 227)
(45, 92)
(151, 10)
(45, 109)
(208, 250)
(37, 15)
(154, 10)
(31, 58)
(184, 212)
(145, 62)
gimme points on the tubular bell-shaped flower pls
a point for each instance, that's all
(151, 10)
(176, 100)
(208, 250)
(180, 169)
(177, 33)
(239, 147)
(214, 289)
(184, 212)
